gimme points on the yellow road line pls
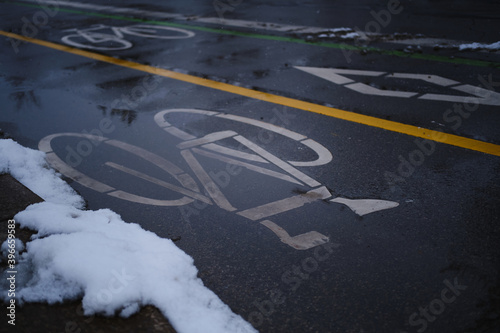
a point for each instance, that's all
(393, 126)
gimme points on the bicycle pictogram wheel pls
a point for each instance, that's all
(185, 186)
(157, 31)
(97, 41)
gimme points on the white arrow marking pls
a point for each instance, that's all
(440, 81)
(369, 90)
(332, 74)
(486, 97)
(479, 95)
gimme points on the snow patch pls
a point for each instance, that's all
(478, 46)
(4, 249)
(350, 35)
(28, 166)
(343, 29)
(114, 266)
(343, 33)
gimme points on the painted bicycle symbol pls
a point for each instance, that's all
(205, 187)
(95, 39)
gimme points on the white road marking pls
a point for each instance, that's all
(167, 127)
(179, 133)
(153, 158)
(94, 38)
(76, 175)
(149, 201)
(207, 182)
(303, 241)
(160, 162)
(249, 166)
(109, 9)
(160, 116)
(209, 138)
(256, 25)
(324, 155)
(440, 81)
(160, 182)
(235, 153)
(479, 95)
(270, 127)
(285, 205)
(369, 90)
(190, 190)
(278, 162)
(58, 164)
(211, 20)
(365, 206)
(149, 31)
(333, 74)
(486, 97)
(300, 242)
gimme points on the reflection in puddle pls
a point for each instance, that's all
(25, 99)
(127, 116)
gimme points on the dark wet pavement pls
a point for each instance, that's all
(429, 264)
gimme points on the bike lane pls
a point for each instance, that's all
(219, 56)
(409, 250)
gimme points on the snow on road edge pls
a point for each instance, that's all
(478, 46)
(113, 265)
(28, 166)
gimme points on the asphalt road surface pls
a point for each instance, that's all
(330, 166)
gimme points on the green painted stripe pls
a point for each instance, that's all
(340, 46)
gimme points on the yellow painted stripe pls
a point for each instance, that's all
(393, 126)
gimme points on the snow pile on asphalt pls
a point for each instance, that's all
(115, 266)
(478, 46)
(350, 35)
(344, 33)
(28, 166)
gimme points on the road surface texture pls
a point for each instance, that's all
(331, 166)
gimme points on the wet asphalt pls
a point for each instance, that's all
(430, 264)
